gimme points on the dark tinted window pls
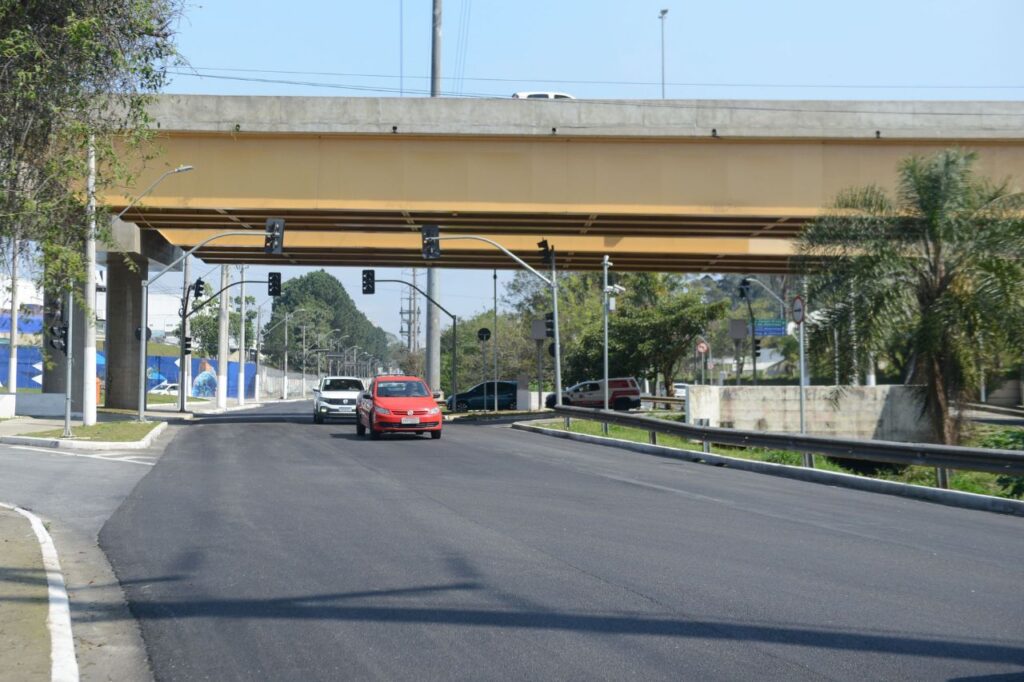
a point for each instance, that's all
(562, 97)
(537, 96)
(402, 389)
(342, 385)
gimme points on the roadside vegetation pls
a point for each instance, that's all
(978, 482)
(117, 432)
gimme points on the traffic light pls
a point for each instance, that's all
(431, 245)
(369, 281)
(546, 252)
(199, 288)
(744, 288)
(757, 348)
(274, 240)
(549, 325)
(59, 337)
(274, 284)
(187, 346)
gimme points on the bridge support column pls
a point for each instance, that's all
(124, 308)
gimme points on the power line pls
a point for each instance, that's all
(492, 79)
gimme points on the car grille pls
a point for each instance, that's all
(410, 427)
(338, 401)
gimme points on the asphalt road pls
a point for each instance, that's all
(264, 547)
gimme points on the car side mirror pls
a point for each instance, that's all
(316, 390)
(367, 396)
(437, 395)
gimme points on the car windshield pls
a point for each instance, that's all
(342, 385)
(402, 389)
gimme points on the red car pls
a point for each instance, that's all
(398, 404)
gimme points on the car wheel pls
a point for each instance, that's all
(317, 419)
(435, 435)
(360, 429)
(512, 405)
(461, 406)
(622, 404)
(374, 433)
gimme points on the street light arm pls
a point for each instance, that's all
(500, 248)
(179, 169)
(213, 297)
(765, 287)
(425, 294)
(234, 233)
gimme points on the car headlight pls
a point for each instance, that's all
(381, 410)
(434, 410)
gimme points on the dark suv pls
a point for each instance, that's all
(481, 397)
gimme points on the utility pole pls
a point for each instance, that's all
(184, 364)
(241, 338)
(89, 302)
(222, 341)
(661, 17)
(494, 340)
(433, 359)
(12, 360)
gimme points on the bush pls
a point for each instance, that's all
(1007, 439)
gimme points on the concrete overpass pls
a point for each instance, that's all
(672, 186)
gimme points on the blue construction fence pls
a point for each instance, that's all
(159, 368)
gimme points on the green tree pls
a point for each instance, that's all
(940, 262)
(205, 325)
(324, 306)
(73, 73)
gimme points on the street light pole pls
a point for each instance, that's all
(241, 339)
(605, 264)
(661, 17)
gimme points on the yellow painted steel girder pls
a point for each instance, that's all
(664, 204)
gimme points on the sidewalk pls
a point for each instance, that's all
(24, 605)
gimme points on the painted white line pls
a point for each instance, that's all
(63, 665)
(65, 453)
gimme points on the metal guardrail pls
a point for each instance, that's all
(941, 457)
(669, 400)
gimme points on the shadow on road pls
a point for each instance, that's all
(329, 607)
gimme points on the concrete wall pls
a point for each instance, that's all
(874, 412)
(1006, 395)
(39, 405)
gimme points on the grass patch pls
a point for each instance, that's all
(170, 399)
(116, 432)
(979, 482)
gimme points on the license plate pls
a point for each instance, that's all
(410, 420)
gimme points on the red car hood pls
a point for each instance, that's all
(399, 405)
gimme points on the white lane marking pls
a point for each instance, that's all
(63, 665)
(108, 457)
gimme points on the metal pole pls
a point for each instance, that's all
(540, 374)
(241, 339)
(558, 345)
(661, 16)
(89, 300)
(143, 314)
(12, 359)
(605, 263)
(433, 350)
(284, 387)
(455, 357)
(222, 342)
(494, 342)
(259, 326)
(70, 361)
(303, 394)
(183, 358)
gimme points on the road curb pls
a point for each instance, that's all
(951, 498)
(63, 664)
(62, 444)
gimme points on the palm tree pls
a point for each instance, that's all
(939, 263)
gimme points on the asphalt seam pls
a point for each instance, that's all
(63, 664)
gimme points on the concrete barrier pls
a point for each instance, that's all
(870, 412)
(39, 405)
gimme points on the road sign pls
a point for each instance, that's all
(483, 333)
(798, 310)
(773, 326)
(738, 330)
(702, 347)
(538, 330)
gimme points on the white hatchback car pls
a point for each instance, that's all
(336, 397)
(164, 388)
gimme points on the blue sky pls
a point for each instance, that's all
(730, 49)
